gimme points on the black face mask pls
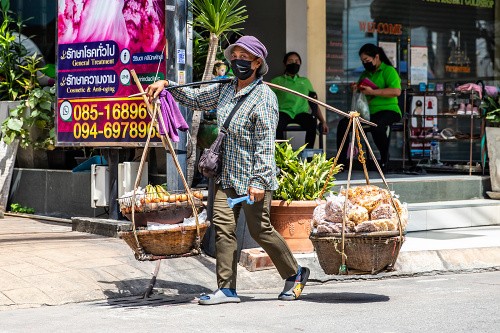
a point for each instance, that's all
(369, 66)
(292, 68)
(242, 69)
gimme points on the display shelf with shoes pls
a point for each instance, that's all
(451, 167)
(450, 119)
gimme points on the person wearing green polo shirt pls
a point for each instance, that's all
(295, 109)
(382, 95)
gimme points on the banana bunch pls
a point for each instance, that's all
(162, 193)
(151, 194)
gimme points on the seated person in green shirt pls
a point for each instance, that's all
(382, 100)
(295, 109)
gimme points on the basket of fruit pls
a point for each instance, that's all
(163, 222)
(156, 204)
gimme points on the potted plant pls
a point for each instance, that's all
(300, 183)
(32, 124)
(18, 70)
(18, 79)
(491, 107)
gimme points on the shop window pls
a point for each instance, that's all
(459, 47)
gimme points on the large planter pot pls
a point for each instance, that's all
(293, 222)
(493, 139)
(5, 107)
(31, 158)
(26, 157)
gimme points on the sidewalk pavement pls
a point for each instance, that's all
(45, 263)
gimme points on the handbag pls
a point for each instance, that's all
(210, 164)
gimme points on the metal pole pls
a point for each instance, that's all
(152, 282)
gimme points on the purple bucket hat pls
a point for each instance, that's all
(252, 45)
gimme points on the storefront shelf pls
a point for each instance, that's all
(444, 140)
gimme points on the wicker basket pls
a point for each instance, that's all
(368, 253)
(167, 242)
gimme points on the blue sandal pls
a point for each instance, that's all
(220, 296)
(294, 285)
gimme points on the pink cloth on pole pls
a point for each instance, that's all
(172, 117)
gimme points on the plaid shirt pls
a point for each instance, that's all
(248, 148)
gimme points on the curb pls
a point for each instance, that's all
(408, 264)
(415, 263)
(39, 217)
(103, 227)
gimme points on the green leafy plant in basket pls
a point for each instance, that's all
(300, 179)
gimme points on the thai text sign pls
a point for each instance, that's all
(99, 43)
(104, 120)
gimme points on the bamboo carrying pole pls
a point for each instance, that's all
(272, 85)
(326, 106)
(186, 85)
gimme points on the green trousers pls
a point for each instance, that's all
(259, 227)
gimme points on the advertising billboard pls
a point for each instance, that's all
(99, 43)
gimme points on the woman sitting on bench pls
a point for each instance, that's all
(294, 109)
(382, 95)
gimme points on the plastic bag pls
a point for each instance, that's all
(359, 103)
(187, 222)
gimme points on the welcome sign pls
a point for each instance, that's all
(99, 43)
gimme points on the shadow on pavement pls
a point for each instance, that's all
(152, 301)
(130, 293)
(336, 298)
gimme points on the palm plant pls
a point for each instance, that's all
(216, 19)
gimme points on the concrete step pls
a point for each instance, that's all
(453, 214)
(425, 188)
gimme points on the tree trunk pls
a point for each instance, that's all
(195, 125)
